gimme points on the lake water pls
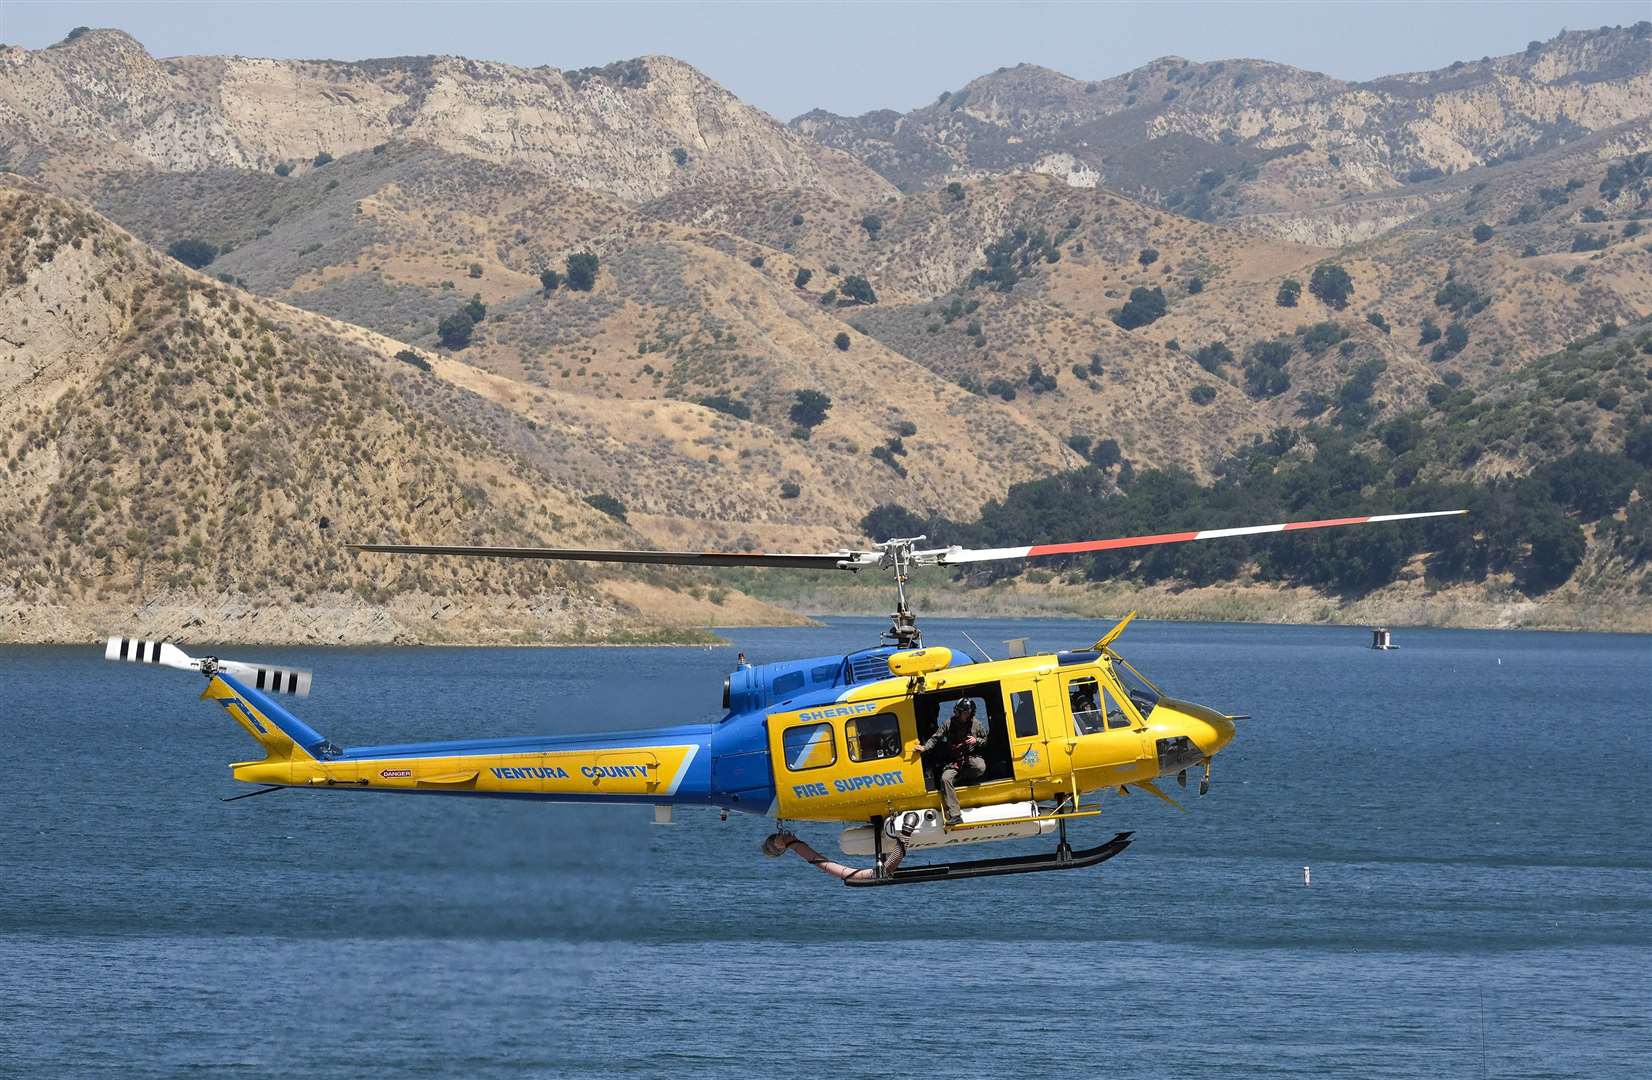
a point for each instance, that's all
(1474, 807)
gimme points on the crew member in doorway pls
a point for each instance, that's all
(962, 740)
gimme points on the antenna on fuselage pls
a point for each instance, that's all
(984, 654)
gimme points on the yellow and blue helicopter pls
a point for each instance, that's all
(835, 739)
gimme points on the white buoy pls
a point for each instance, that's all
(1307, 876)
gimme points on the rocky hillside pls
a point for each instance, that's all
(1248, 138)
(178, 453)
(638, 128)
(757, 340)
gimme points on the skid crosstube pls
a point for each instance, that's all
(1019, 864)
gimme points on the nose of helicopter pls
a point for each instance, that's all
(1209, 730)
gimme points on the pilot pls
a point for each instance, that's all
(962, 740)
(1086, 709)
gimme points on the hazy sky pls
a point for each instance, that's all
(846, 57)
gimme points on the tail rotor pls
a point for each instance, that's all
(267, 677)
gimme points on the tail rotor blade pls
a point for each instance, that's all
(164, 653)
(277, 680)
(266, 677)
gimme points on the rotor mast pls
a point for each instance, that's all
(897, 557)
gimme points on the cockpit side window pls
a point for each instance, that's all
(1093, 710)
(1084, 700)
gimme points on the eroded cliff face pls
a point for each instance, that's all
(1260, 140)
(637, 129)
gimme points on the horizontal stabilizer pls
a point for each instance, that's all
(266, 677)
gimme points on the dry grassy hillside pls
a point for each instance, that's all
(181, 456)
(1009, 317)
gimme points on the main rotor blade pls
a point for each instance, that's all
(957, 556)
(839, 560)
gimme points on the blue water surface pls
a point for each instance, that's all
(1474, 808)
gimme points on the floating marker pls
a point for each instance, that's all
(1307, 876)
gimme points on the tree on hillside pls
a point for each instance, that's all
(872, 223)
(607, 504)
(1265, 374)
(548, 280)
(802, 278)
(680, 156)
(1332, 285)
(728, 405)
(475, 308)
(1638, 444)
(321, 159)
(1593, 484)
(855, 287)
(841, 341)
(1144, 306)
(1290, 290)
(1148, 256)
(455, 330)
(582, 271)
(283, 169)
(809, 408)
(1483, 232)
(1211, 357)
(192, 253)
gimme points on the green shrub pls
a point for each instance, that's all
(1483, 232)
(802, 278)
(680, 156)
(192, 253)
(283, 169)
(855, 287)
(1203, 394)
(809, 407)
(789, 490)
(1331, 284)
(321, 159)
(1211, 357)
(1144, 306)
(608, 504)
(1290, 291)
(454, 331)
(841, 341)
(724, 404)
(582, 271)
(873, 224)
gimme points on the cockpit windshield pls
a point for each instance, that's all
(1142, 693)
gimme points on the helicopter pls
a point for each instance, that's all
(838, 739)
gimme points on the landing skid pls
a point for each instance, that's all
(1063, 858)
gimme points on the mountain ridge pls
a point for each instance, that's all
(773, 338)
